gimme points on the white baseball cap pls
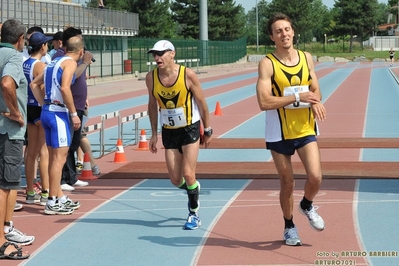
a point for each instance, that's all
(162, 45)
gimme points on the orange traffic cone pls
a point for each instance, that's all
(143, 144)
(87, 174)
(119, 153)
(218, 110)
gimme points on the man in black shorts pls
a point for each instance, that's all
(176, 92)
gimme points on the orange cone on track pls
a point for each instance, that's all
(119, 153)
(218, 110)
(87, 174)
(143, 144)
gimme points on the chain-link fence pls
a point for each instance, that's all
(128, 55)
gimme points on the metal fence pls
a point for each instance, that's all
(383, 43)
(55, 16)
(111, 36)
(128, 55)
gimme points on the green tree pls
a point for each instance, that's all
(322, 19)
(305, 14)
(225, 19)
(155, 19)
(385, 14)
(254, 35)
(393, 9)
(186, 14)
(355, 17)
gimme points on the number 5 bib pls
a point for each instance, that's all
(173, 117)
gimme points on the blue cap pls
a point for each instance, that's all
(38, 39)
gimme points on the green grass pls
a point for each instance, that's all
(370, 55)
(333, 50)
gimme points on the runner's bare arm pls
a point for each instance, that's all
(152, 112)
(264, 95)
(37, 88)
(196, 89)
(318, 108)
(9, 91)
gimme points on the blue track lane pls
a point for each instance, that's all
(142, 226)
(378, 199)
(377, 214)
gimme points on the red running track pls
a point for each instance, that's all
(249, 232)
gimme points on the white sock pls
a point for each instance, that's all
(51, 201)
(63, 199)
(7, 228)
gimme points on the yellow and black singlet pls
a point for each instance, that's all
(295, 120)
(177, 106)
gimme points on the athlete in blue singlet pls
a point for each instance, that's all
(59, 118)
(36, 136)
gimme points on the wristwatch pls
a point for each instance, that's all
(208, 131)
(74, 114)
(297, 98)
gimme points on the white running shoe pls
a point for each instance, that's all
(70, 204)
(291, 237)
(17, 237)
(81, 183)
(18, 206)
(58, 208)
(66, 187)
(315, 220)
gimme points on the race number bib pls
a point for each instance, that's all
(296, 89)
(173, 117)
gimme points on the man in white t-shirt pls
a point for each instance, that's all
(45, 59)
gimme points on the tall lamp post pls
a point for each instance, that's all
(257, 26)
(325, 41)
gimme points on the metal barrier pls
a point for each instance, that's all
(121, 121)
(134, 118)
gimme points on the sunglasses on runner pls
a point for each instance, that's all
(160, 53)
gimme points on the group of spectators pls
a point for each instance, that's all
(42, 105)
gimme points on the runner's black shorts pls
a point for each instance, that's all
(176, 138)
(33, 114)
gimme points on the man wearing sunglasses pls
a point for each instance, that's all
(176, 94)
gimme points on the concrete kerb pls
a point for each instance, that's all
(394, 75)
(96, 80)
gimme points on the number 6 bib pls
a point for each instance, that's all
(296, 89)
